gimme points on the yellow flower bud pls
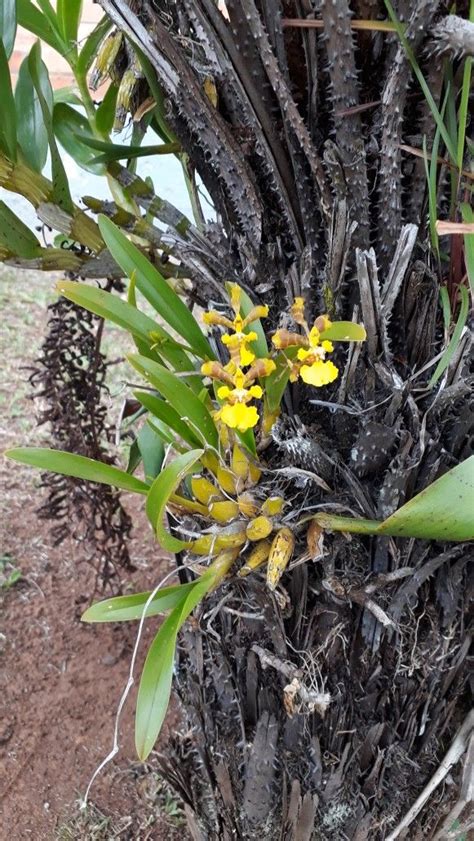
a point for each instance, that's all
(222, 566)
(212, 544)
(280, 555)
(247, 505)
(297, 311)
(226, 480)
(203, 490)
(254, 474)
(256, 559)
(224, 510)
(259, 528)
(240, 462)
(273, 505)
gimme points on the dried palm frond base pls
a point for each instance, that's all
(69, 383)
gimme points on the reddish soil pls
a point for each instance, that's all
(60, 679)
(60, 683)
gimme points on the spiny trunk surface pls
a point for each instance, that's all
(323, 714)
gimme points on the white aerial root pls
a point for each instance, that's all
(126, 691)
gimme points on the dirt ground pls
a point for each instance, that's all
(60, 680)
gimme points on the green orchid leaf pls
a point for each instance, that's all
(179, 396)
(16, 236)
(31, 130)
(8, 25)
(8, 138)
(154, 288)
(259, 346)
(32, 19)
(129, 608)
(80, 467)
(277, 381)
(155, 683)
(40, 77)
(345, 331)
(105, 116)
(443, 511)
(69, 16)
(167, 415)
(164, 485)
(109, 306)
(117, 152)
(152, 451)
(71, 129)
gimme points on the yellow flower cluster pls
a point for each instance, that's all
(239, 387)
(310, 363)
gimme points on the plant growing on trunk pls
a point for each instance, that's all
(320, 692)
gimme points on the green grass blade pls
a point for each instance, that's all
(450, 146)
(80, 467)
(468, 216)
(448, 354)
(463, 110)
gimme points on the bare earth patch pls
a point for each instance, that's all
(60, 680)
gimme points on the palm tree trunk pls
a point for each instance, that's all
(325, 712)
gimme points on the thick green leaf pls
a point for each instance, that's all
(8, 140)
(118, 152)
(154, 288)
(8, 25)
(71, 128)
(16, 236)
(179, 396)
(127, 608)
(345, 331)
(69, 15)
(443, 511)
(30, 17)
(67, 94)
(277, 381)
(105, 115)
(39, 75)
(70, 464)
(152, 451)
(108, 305)
(91, 45)
(164, 485)
(167, 415)
(157, 675)
(31, 130)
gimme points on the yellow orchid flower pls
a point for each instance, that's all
(237, 341)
